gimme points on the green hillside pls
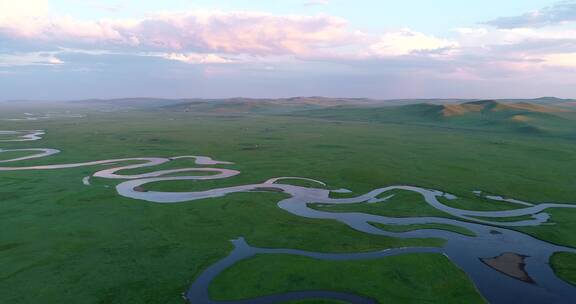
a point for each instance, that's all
(489, 115)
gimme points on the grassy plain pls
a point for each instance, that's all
(378, 279)
(63, 242)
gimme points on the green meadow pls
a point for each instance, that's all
(64, 242)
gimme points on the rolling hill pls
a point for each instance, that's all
(491, 115)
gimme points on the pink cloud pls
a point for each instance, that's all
(217, 38)
(233, 33)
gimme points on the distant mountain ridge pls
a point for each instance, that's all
(306, 99)
(495, 106)
(542, 116)
(503, 116)
(320, 100)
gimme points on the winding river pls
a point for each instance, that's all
(470, 253)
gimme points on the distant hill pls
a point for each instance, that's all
(242, 105)
(547, 116)
(136, 102)
(538, 116)
(523, 116)
(487, 106)
(266, 106)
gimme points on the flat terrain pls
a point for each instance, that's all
(64, 242)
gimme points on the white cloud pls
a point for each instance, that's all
(193, 58)
(560, 13)
(561, 60)
(27, 59)
(406, 41)
(481, 36)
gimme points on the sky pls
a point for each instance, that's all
(78, 49)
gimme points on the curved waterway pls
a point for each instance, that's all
(34, 117)
(477, 255)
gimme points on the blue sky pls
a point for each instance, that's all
(69, 49)
(435, 17)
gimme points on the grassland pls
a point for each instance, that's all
(564, 266)
(63, 242)
(401, 203)
(436, 281)
(403, 228)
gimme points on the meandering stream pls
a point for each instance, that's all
(468, 252)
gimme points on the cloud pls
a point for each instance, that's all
(482, 36)
(559, 13)
(30, 59)
(192, 58)
(251, 49)
(199, 31)
(561, 60)
(406, 41)
(531, 46)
